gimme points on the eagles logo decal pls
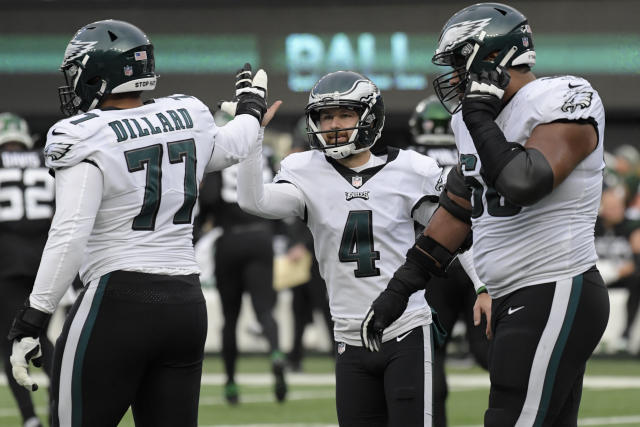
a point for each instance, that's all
(76, 49)
(459, 32)
(56, 150)
(580, 100)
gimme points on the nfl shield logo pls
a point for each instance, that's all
(341, 347)
(356, 181)
(525, 41)
(128, 70)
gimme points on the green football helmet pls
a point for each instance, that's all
(430, 123)
(14, 128)
(345, 89)
(105, 57)
(469, 40)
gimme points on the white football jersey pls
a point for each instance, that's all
(551, 240)
(362, 227)
(152, 159)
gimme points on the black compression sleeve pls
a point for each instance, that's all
(526, 179)
(492, 147)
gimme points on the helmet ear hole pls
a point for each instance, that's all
(94, 80)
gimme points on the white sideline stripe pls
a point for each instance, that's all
(600, 421)
(456, 381)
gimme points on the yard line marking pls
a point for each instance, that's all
(630, 419)
(456, 381)
(594, 421)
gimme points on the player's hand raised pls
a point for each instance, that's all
(485, 91)
(250, 94)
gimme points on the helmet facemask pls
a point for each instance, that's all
(75, 90)
(358, 140)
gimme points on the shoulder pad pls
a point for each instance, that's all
(65, 140)
(565, 98)
(176, 99)
(429, 169)
(290, 165)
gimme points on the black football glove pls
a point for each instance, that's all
(385, 309)
(484, 93)
(26, 329)
(250, 94)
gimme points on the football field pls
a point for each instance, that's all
(611, 396)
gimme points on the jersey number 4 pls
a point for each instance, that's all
(356, 244)
(150, 159)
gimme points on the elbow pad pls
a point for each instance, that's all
(526, 179)
(493, 148)
(455, 185)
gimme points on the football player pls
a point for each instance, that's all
(27, 195)
(360, 209)
(453, 297)
(529, 183)
(126, 180)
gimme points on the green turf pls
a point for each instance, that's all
(311, 404)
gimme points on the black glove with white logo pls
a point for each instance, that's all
(484, 93)
(384, 310)
(250, 95)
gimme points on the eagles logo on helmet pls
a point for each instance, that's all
(479, 38)
(102, 58)
(345, 89)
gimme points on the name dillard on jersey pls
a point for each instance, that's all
(169, 121)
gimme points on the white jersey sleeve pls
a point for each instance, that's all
(68, 141)
(433, 181)
(233, 142)
(565, 99)
(272, 201)
(78, 197)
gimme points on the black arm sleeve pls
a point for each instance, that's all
(523, 176)
(492, 146)
(526, 179)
